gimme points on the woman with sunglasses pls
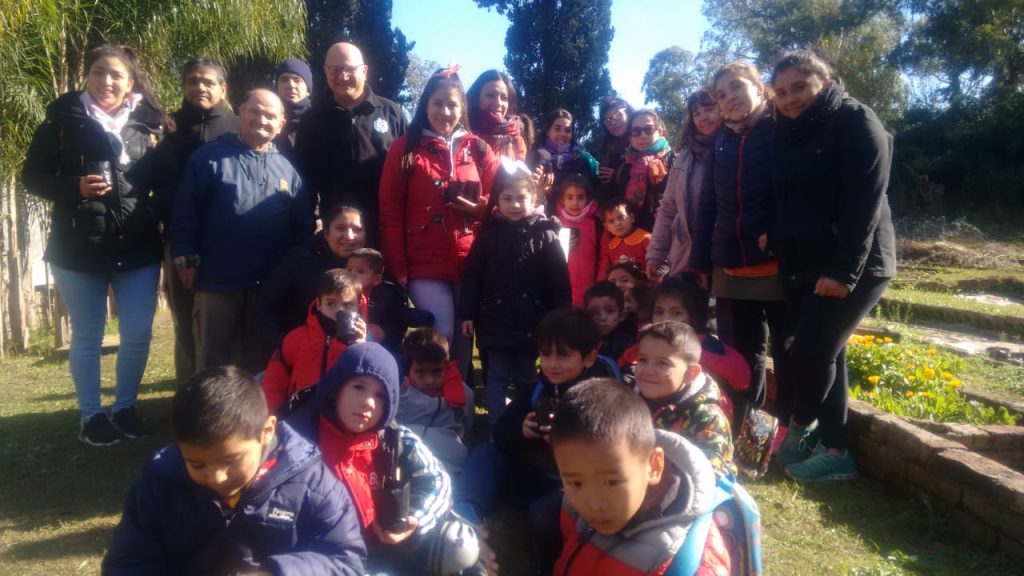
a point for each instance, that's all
(735, 212)
(642, 173)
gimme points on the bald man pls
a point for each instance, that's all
(342, 142)
(240, 206)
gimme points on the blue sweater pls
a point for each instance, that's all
(239, 210)
(297, 519)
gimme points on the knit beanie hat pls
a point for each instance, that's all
(298, 67)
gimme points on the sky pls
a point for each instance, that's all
(458, 30)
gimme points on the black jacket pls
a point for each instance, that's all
(340, 153)
(515, 273)
(389, 308)
(831, 179)
(111, 233)
(620, 182)
(293, 113)
(282, 302)
(193, 128)
(737, 203)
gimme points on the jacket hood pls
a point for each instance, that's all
(365, 358)
(293, 453)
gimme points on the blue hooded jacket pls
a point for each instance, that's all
(295, 520)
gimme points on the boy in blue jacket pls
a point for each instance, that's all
(238, 493)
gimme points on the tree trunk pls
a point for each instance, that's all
(13, 265)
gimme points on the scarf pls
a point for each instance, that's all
(113, 123)
(800, 129)
(561, 154)
(588, 212)
(646, 167)
(293, 112)
(502, 134)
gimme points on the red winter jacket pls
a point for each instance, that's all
(421, 235)
(632, 248)
(303, 357)
(583, 249)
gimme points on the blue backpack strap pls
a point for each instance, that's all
(610, 365)
(688, 558)
(537, 389)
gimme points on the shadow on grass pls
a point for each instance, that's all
(155, 387)
(50, 477)
(904, 529)
(92, 541)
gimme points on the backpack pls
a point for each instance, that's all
(738, 519)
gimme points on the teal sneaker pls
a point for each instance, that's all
(823, 465)
(798, 444)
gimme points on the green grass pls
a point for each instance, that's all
(60, 499)
(952, 301)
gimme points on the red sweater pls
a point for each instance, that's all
(632, 248)
(422, 236)
(584, 250)
(351, 458)
(303, 357)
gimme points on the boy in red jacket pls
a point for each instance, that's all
(308, 351)
(633, 495)
(622, 240)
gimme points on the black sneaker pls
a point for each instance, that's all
(127, 419)
(99, 431)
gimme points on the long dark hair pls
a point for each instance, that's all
(701, 98)
(131, 62)
(807, 62)
(441, 79)
(473, 95)
(613, 103)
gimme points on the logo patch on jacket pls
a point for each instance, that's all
(282, 185)
(281, 515)
(380, 125)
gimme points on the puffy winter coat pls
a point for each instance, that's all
(296, 519)
(106, 234)
(677, 212)
(421, 235)
(515, 274)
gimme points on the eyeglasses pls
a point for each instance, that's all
(335, 71)
(650, 129)
(614, 116)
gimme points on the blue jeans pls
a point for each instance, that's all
(85, 294)
(517, 366)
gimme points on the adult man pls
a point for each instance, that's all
(293, 81)
(239, 208)
(203, 117)
(343, 140)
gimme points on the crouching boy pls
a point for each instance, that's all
(237, 494)
(402, 493)
(633, 495)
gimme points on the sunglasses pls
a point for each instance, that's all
(650, 129)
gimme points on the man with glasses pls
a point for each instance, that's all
(342, 142)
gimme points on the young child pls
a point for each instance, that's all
(577, 211)
(515, 274)
(237, 493)
(639, 303)
(389, 314)
(435, 402)
(681, 397)
(625, 275)
(607, 307)
(622, 241)
(519, 468)
(379, 461)
(681, 298)
(635, 497)
(309, 350)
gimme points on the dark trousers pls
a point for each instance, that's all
(818, 354)
(181, 302)
(219, 325)
(746, 326)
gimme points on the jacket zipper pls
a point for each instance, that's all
(576, 551)
(323, 358)
(739, 200)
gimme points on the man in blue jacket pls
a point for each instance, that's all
(240, 206)
(237, 494)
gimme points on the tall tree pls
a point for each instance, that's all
(367, 24)
(558, 54)
(857, 37)
(670, 79)
(416, 77)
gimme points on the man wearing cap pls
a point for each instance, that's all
(342, 142)
(293, 81)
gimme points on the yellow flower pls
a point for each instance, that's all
(868, 338)
(887, 340)
(933, 351)
(909, 394)
(911, 379)
(947, 376)
(927, 394)
(874, 380)
(954, 383)
(929, 373)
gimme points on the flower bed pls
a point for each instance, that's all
(914, 381)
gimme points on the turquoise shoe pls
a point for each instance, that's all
(798, 444)
(823, 465)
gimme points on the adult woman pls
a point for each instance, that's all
(836, 247)
(611, 141)
(669, 249)
(85, 158)
(558, 157)
(493, 114)
(282, 303)
(642, 174)
(736, 208)
(433, 193)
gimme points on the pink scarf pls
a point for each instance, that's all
(588, 212)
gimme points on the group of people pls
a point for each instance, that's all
(294, 235)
